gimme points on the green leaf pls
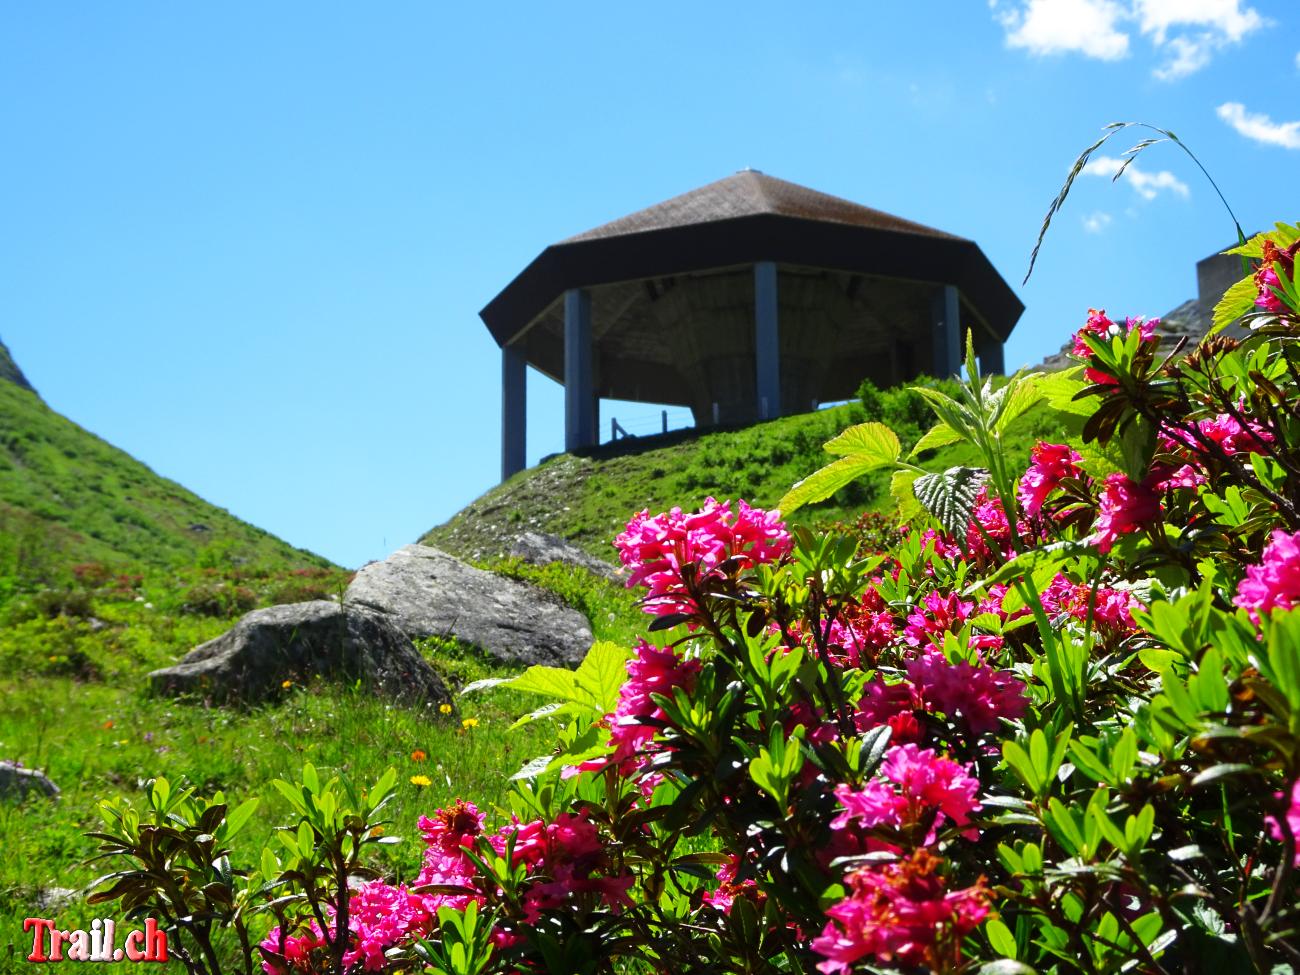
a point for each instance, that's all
(1236, 301)
(866, 440)
(238, 817)
(950, 496)
(900, 489)
(1022, 394)
(1060, 390)
(1000, 937)
(939, 435)
(602, 673)
(821, 484)
(556, 683)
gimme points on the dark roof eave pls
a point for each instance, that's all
(745, 240)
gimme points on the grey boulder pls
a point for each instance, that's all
(16, 782)
(540, 548)
(427, 592)
(251, 661)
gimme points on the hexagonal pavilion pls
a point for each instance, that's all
(745, 299)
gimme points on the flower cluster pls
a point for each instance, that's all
(1098, 325)
(901, 912)
(1050, 464)
(919, 788)
(650, 671)
(657, 549)
(1275, 582)
(1266, 277)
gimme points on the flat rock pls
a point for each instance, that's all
(427, 592)
(251, 661)
(16, 782)
(540, 548)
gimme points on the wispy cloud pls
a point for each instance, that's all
(1147, 185)
(1185, 34)
(1259, 127)
(1096, 222)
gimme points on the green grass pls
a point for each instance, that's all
(587, 499)
(105, 736)
(66, 496)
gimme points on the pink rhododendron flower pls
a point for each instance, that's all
(564, 854)
(977, 693)
(988, 525)
(1275, 582)
(1266, 278)
(657, 549)
(1050, 464)
(1224, 430)
(901, 912)
(728, 889)
(939, 615)
(918, 787)
(379, 916)
(651, 671)
(1113, 609)
(1124, 507)
(861, 630)
(1292, 820)
(891, 704)
(1099, 325)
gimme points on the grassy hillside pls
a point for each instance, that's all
(66, 496)
(588, 498)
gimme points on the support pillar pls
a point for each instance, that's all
(989, 351)
(945, 316)
(514, 412)
(579, 388)
(767, 342)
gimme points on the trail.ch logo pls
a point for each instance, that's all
(49, 943)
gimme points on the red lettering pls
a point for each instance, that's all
(56, 943)
(38, 939)
(157, 940)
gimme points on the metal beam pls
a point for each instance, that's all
(945, 316)
(514, 411)
(579, 386)
(767, 342)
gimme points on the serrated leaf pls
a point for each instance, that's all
(602, 673)
(553, 682)
(1023, 392)
(950, 496)
(1236, 301)
(900, 488)
(866, 439)
(484, 684)
(939, 435)
(533, 768)
(821, 484)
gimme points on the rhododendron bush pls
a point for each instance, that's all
(1053, 726)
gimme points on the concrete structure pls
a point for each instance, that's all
(746, 299)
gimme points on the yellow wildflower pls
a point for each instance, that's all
(444, 709)
(469, 723)
(421, 780)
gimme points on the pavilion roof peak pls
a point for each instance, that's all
(750, 193)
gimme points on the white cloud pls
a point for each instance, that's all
(1058, 26)
(1260, 127)
(1187, 56)
(1297, 60)
(1221, 19)
(1147, 185)
(1186, 34)
(1096, 222)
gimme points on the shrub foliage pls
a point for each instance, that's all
(1051, 725)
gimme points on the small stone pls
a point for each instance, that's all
(16, 782)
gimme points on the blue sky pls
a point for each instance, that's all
(249, 243)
